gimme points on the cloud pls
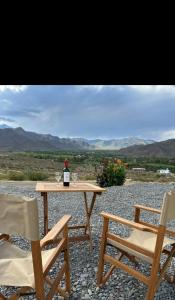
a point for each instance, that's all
(92, 111)
(13, 88)
(2, 119)
(9, 122)
(96, 88)
(166, 135)
(153, 88)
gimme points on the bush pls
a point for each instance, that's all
(112, 173)
(35, 175)
(16, 176)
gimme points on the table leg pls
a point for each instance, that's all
(88, 216)
(45, 204)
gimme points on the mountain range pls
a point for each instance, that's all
(17, 139)
(115, 144)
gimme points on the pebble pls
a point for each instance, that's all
(84, 265)
(89, 292)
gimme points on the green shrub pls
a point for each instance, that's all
(36, 175)
(14, 175)
(112, 173)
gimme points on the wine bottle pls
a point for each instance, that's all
(66, 174)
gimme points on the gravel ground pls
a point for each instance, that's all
(117, 200)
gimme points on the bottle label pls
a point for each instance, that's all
(66, 176)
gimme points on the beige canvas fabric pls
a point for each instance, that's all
(16, 265)
(19, 215)
(168, 208)
(144, 239)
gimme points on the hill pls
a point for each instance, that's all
(17, 139)
(157, 149)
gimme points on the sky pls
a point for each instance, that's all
(91, 111)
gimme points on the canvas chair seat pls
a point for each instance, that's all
(141, 238)
(17, 265)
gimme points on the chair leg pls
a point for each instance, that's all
(2, 297)
(102, 252)
(66, 258)
(151, 292)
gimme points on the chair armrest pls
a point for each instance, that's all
(151, 209)
(127, 222)
(55, 231)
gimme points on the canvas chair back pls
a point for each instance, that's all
(168, 208)
(19, 215)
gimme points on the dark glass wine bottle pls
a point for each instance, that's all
(66, 173)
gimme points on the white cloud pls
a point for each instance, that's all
(92, 87)
(6, 101)
(9, 122)
(154, 88)
(13, 88)
(166, 135)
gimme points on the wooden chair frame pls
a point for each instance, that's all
(40, 271)
(154, 279)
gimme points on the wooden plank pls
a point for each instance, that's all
(127, 269)
(55, 231)
(45, 203)
(56, 282)
(50, 261)
(58, 187)
(154, 228)
(79, 238)
(124, 221)
(77, 226)
(151, 209)
(88, 215)
(102, 252)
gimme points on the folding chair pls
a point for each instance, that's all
(30, 269)
(146, 242)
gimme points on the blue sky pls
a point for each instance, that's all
(94, 111)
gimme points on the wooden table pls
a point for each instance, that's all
(45, 187)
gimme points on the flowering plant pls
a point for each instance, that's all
(112, 173)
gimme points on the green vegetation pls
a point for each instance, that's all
(41, 165)
(112, 173)
(12, 175)
(34, 175)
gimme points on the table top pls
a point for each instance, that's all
(73, 187)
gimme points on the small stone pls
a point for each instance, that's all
(84, 283)
(89, 292)
(86, 297)
(95, 269)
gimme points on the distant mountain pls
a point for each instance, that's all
(17, 139)
(157, 149)
(2, 126)
(115, 144)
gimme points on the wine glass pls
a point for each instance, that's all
(58, 176)
(74, 177)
